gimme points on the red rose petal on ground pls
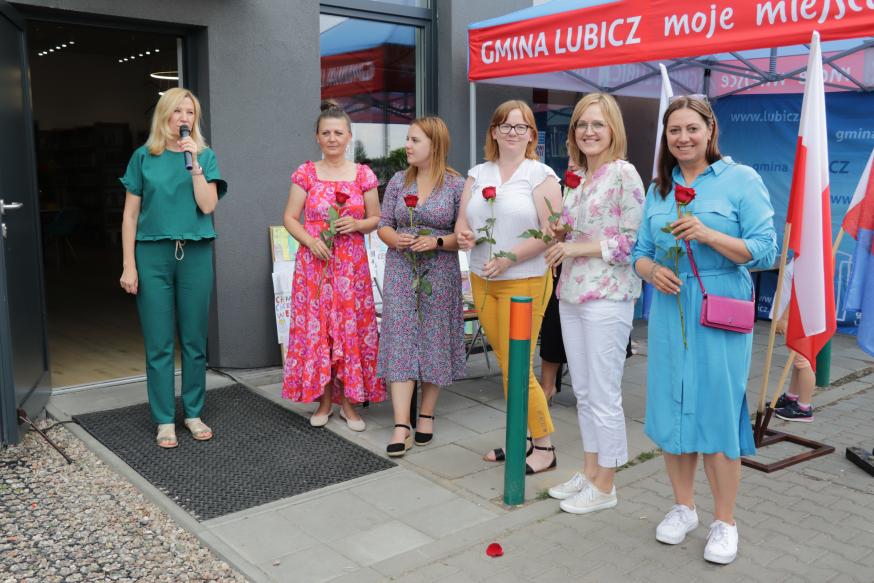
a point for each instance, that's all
(494, 550)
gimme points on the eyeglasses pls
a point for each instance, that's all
(520, 129)
(596, 126)
(698, 96)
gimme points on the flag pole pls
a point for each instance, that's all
(779, 388)
(792, 354)
(760, 424)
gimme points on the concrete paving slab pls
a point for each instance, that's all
(482, 390)
(402, 494)
(313, 565)
(381, 542)
(448, 517)
(263, 538)
(325, 518)
(479, 419)
(448, 461)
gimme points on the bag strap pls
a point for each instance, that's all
(694, 267)
(698, 277)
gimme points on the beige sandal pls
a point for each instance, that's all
(199, 430)
(167, 436)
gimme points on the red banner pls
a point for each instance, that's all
(353, 73)
(630, 31)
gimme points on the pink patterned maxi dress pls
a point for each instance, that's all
(333, 335)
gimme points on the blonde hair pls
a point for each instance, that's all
(160, 131)
(435, 130)
(500, 116)
(612, 115)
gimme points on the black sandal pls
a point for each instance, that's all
(529, 470)
(399, 449)
(424, 438)
(501, 456)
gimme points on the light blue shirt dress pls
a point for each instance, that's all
(696, 397)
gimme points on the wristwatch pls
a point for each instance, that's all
(440, 241)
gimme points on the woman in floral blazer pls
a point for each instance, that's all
(596, 294)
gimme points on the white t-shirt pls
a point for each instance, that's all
(514, 213)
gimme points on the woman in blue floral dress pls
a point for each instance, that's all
(422, 335)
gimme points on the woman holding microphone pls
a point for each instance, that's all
(167, 234)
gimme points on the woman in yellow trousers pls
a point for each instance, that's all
(503, 198)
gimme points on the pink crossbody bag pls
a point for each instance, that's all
(722, 312)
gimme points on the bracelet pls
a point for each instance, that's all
(197, 171)
(653, 270)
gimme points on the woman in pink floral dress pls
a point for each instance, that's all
(596, 294)
(333, 338)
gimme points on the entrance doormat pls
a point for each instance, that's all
(261, 452)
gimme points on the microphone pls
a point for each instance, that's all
(185, 132)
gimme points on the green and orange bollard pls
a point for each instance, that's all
(517, 400)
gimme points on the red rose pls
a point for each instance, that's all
(683, 194)
(490, 192)
(571, 179)
(411, 200)
(342, 196)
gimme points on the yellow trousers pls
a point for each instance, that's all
(495, 320)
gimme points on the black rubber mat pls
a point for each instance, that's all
(261, 452)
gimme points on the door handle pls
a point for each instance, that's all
(12, 206)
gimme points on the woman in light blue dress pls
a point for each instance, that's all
(696, 400)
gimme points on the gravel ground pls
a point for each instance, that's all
(83, 522)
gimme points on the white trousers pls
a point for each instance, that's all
(595, 336)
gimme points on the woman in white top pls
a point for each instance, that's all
(512, 187)
(596, 294)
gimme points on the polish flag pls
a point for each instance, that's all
(860, 213)
(812, 303)
(859, 223)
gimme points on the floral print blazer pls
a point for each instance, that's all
(608, 208)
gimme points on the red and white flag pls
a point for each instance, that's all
(860, 213)
(812, 303)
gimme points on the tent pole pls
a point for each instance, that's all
(472, 125)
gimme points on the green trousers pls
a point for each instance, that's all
(175, 285)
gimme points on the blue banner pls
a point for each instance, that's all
(761, 131)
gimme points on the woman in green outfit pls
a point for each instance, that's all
(167, 234)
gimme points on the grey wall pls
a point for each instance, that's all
(258, 77)
(453, 16)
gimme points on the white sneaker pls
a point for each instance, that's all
(677, 523)
(721, 543)
(570, 488)
(589, 499)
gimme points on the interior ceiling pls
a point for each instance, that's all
(101, 42)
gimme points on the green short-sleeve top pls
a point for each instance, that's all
(168, 209)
